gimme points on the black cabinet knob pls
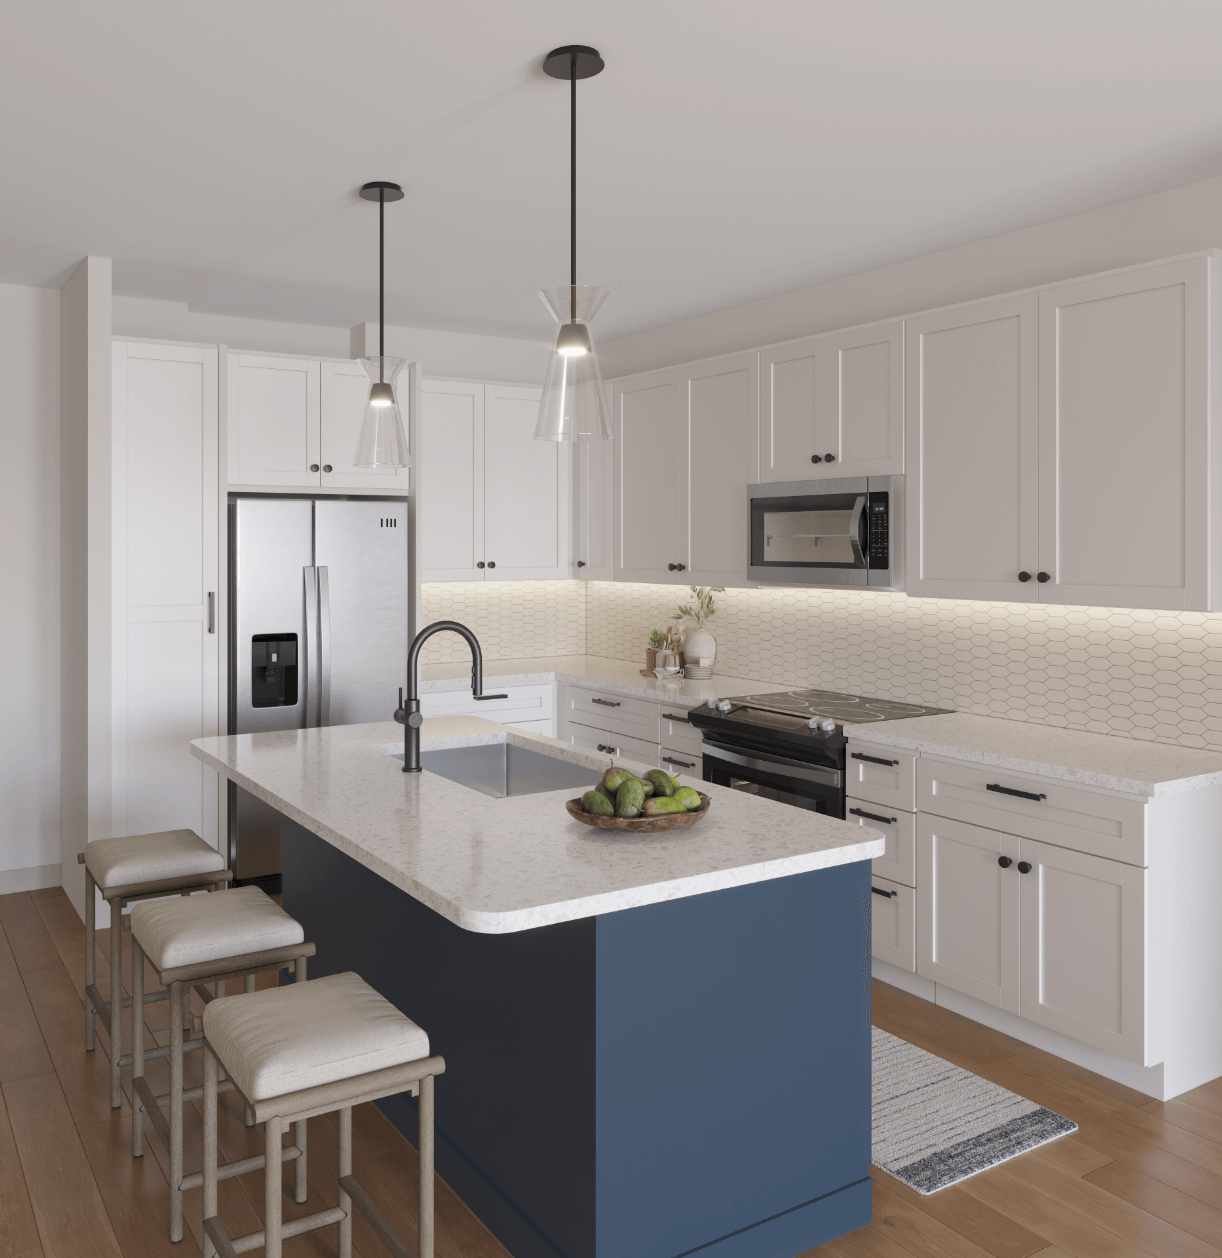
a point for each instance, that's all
(491, 564)
(313, 467)
(681, 567)
(815, 458)
(1024, 576)
(581, 563)
(326, 467)
(670, 567)
(1005, 862)
(480, 564)
(829, 458)
(1041, 577)
(1024, 867)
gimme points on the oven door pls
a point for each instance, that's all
(814, 787)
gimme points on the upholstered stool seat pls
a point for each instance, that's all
(138, 858)
(124, 869)
(294, 1053)
(203, 939)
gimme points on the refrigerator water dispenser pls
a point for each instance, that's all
(273, 670)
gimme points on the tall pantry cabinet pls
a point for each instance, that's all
(166, 609)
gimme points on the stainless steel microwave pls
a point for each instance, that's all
(848, 531)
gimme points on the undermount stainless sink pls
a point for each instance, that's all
(501, 769)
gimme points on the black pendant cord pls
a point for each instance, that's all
(381, 285)
(573, 186)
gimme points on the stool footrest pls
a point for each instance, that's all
(227, 1170)
(364, 1203)
(102, 1005)
(254, 1240)
(153, 1054)
(152, 1110)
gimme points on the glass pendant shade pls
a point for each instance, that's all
(573, 406)
(383, 442)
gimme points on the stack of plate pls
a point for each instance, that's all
(694, 673)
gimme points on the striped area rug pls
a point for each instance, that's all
(935, 1124)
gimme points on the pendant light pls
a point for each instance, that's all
(382, 443)
(573, 406)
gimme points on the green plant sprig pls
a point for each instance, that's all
(705, 605)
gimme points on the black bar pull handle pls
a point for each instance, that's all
(1005, 790)
(670, 716)
(687, 764)
(873, 816)
(880, 891)
(859, 755)
(607, 703)
(480, 698)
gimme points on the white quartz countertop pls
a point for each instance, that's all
(1117, 764)
(615, 676)
(500, 865)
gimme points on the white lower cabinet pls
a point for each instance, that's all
(1083, 933)
(899, 829)
(894, 922)
(613, 744)
(682, 764)
(968, 914)
(525, 707)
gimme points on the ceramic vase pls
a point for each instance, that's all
(699, 644)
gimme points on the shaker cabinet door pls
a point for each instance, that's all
(972, 422)
(344, 391)
(650, 469)
(1084, 948)
(833, 405)
(593, 515)
(450, 503)
(274, 431)
(1124, 439)
(968, 910)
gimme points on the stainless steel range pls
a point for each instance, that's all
(789, 746)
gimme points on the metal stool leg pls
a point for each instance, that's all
(175, 1150)
(210, 1157)
(425, 1246)
(137, 1046)
(116, 1001)
(91, 960)
(272, 1189)
(345, 1168)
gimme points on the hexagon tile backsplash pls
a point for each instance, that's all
(1139, 674)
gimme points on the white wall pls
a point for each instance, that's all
(29, 588)
(1161, 225)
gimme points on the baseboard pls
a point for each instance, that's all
(1146, 1079)
(34, 878)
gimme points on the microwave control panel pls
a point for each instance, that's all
(879, 513)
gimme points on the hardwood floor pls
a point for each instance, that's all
(1138, 1178)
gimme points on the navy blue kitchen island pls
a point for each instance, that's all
(690, 1076)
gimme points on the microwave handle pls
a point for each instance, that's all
(855, 523)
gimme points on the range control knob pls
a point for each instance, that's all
(724, 706)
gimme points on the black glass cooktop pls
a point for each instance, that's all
(831, 705)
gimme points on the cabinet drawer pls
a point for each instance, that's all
(614, 745)
(881, 775)
(899, 827)
(638, 718)
(1067, 816)
(894, 920)
(521, 703)
(683, 764)
(678, 733)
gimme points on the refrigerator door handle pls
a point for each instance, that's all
(310, 688)
(324, 647)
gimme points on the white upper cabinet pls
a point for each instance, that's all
(649, 476)
(1124, 439)
(527, 491)
(274, 425)
(833, 405)
(494, 504)
(720, 406)
(972, 481)
(593, 512)
(684, 456)
(344, 392)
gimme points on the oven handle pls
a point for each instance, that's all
(761, 760)
(859, 559)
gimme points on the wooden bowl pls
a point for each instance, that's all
(667, 820)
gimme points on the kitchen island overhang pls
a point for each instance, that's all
(663, 1048)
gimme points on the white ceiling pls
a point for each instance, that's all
(728, 151)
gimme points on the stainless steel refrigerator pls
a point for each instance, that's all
(318, 628)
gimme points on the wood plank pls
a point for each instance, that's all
(18, 1231)
(1073, 1154)
(1163, 1200)
(866, 1242)
(23, 1052)
(969, 1217)
(26, 934)
(1207, 1097)
(71, 1217)
(914, 1229)
(84, 1077)
(924, 1024)
(134, 1190)
(1190, 1117)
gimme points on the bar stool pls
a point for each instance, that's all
(297, 1052)
(206, 939)
(135, 867)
